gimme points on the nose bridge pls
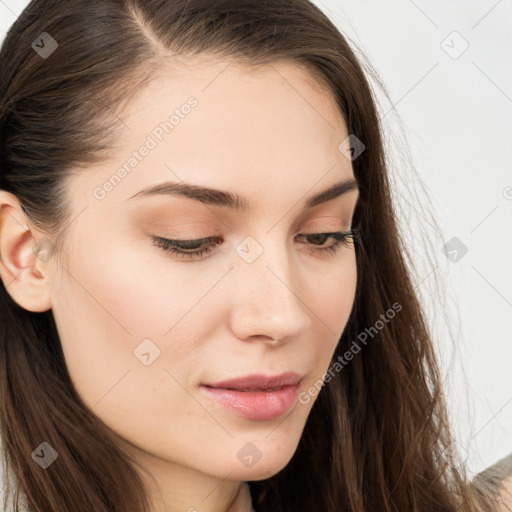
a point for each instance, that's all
(266, 300)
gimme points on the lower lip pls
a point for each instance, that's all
(256, 405)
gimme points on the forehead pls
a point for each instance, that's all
(219, 122)
(235, 99)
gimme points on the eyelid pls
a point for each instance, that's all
(197, 250)
(329, 222)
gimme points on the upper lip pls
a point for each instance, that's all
(259, 381)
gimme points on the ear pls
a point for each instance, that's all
(22, 268)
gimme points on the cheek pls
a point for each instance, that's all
(102, 322)
(333, 291)
(110, 313)
(332, 300)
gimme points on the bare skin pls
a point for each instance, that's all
(271, 135)
(505, 499)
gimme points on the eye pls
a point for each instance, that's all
(196, 249)
(186, 249)
(340, 238)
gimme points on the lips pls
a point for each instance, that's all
(256, 397)
(259, 382)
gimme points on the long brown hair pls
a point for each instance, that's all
(377, 436)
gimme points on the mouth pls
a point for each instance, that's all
(250, 389)
(256, 397)
(259, 382)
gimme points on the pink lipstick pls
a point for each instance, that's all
(257, 397)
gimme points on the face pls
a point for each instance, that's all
(145, 329)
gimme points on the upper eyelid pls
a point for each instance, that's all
(313, 230)
(175, 237)
(180, 248)
(214, 238)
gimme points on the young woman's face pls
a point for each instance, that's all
(144, 330)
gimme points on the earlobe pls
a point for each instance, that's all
(22, 270)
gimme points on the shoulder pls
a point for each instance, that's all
(496, 483)
(505, 497)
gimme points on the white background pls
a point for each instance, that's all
(456, 112)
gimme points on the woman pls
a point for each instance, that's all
(205, 301)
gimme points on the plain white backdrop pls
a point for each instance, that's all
(447, 68)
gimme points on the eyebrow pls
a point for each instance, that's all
(235, 201)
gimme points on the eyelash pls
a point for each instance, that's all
(176, 247)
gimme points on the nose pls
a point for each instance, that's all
(267, 302)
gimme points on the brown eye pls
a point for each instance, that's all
(344, 238)
(196, 249)
(187, 249)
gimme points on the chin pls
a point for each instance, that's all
(272, 461)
